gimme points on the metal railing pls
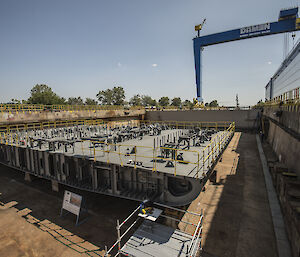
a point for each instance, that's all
(112, 124)
(190, 124)
(194, 246)
(201, 160)
(28, 108)
(32, 108)
(204, 158)
(49, 124)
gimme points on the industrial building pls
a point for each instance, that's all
(284, 85)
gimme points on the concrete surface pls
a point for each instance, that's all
(145, 153)
(237, 217)
(244, 119)
(290, 117)
(7, 118)
(288, 193)
(283, 246)
(286, 147)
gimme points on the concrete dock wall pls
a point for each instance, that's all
(244, 119)
(41, 116)
(286, 147)
(289, 117)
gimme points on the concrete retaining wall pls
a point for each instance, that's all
(286, 147)
(27, 117)
(290, 116)
(244, 119)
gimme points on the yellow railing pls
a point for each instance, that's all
(216, 146)
(203, 158)
(39, 107)
(278, 103)
(49, 124)
(206, 156)
(66, 123)
(190, 124)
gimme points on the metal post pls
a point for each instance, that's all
(107, 150)
(198, 165)
(120, 155)
(119, 236)
(203, 160)
(219, 145)
(175, 162)
(94, 152)
(135, 157)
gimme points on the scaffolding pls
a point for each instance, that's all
(192, 242)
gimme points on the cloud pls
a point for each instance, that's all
(269, 62)
(119, 64)
(154, 65)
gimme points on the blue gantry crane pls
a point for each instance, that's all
(288, 21)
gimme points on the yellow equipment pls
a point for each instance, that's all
(199, 27)
(147, 210)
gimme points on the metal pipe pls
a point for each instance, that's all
(129, 216)
(194, 235)
(129, 228)
(119, 238)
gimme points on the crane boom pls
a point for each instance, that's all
(288, 21)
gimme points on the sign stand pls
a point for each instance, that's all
(73, 203)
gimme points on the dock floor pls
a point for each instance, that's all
(237, 216)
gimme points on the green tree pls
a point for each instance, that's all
(148, 101)
(115, 96)
(75, 101)
(213, 103)
(164, 101)
(136, 100)
(43, 94)
(188, 104)
(176, 101)
(90, 101)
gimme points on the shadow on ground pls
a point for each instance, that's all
(100, 226)
(241, 223)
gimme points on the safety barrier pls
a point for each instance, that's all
(31, 108)
(202, 160)
(28, 108)
(280, 102)
(66, 123)
(48, 124)
(190, 124)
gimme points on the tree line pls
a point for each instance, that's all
(43, 94)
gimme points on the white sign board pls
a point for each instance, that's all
(72, 202)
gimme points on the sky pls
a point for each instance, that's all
(79, 47)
